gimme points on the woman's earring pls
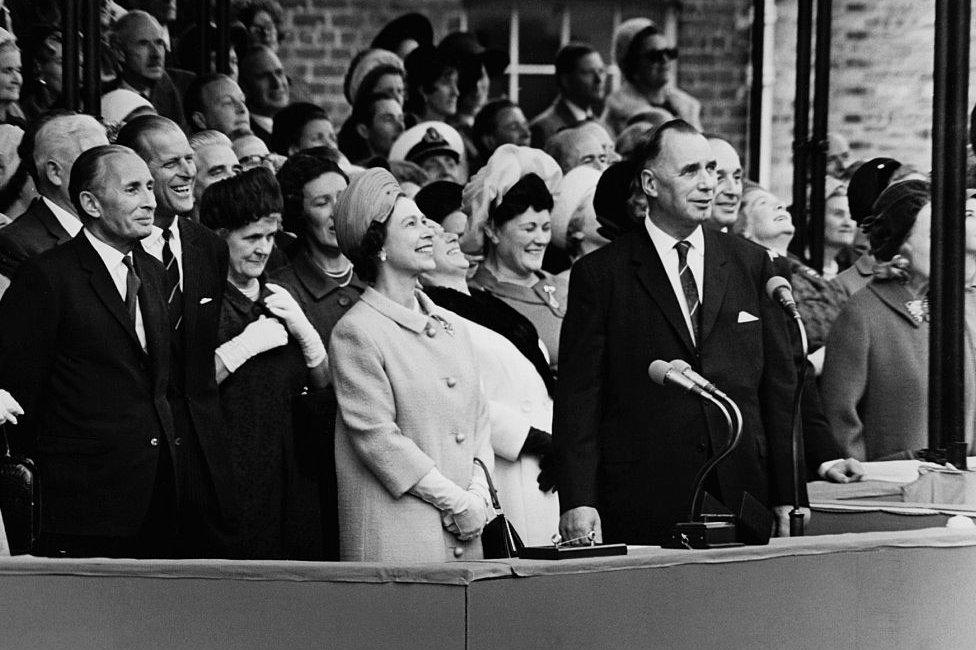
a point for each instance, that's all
(382, 255)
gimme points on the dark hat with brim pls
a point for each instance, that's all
(893, 215)
(867, 184)
(463, 47)
(413, 26)
(611, 199)
(439, 199)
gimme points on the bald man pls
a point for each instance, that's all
(139, 43)
(52, 145)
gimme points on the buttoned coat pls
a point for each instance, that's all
(409, 397)
(631, 448)
(95, 401)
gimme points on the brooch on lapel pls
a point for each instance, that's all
(551, 293)
(918, 309)
(447, 326)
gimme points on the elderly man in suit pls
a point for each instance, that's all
(267, 87)
(51, 146)
(627, 449)
(195, 261)
(85, 347)
(581, 77)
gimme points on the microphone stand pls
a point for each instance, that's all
(735, 433)
(796, 516)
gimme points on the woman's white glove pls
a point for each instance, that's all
(463, 512)
(283, 305)
(260, 336)
(9, 408)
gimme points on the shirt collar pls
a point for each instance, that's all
(156, 235)
(110, 256)
(664, 243)
(576, 110)
(411, 319)
(263, 121)
(70, 222)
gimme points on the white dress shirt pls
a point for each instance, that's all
(664, 244)
(118, 271)
(68, 221)
(153, 244)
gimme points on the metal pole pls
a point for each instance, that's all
(757, 53)
(946, 282)
(801, 123)
(818, 152)
(70, 23)
(203, 34)
(92, 87)
(222, 18)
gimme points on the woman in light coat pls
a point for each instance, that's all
(519, 404)
(412, 415)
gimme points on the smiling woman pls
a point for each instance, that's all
(413, 416)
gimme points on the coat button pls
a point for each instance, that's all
(458, 551)
(154, 442)
(526, 406)
(701, 446)
(451, 382)
(431, 332)
(460, 437)
(343, 301)
(178, 441)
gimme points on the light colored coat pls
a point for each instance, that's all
(407, 384)
(627, 101)
(517, 400)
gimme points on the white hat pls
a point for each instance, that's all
(426, 138)
(118, 104)
(573, 193)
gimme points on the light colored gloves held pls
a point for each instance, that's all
(260, 336)
(464, 513)
(9, 408)
(283, 305)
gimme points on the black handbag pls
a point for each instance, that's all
(499, 539)
(19, 502)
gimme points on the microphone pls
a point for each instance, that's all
(685, 369)
(780, 291)
(662, 372)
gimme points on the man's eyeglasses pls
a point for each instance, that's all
(660, 56)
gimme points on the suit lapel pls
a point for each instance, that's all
(50, 222)
(191, 277)
(566, 115)
(652, 276)
(716, 277)
(104, 287)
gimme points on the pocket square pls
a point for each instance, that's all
(746, 317)
(204, 301)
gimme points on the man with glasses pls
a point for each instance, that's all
(646, 61)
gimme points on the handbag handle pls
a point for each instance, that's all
(491, 485)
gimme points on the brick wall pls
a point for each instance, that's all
(881, 81)
(324, 35)
(714, 41)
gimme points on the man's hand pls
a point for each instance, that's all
(848, 470)
(781, 520)
(578, 522)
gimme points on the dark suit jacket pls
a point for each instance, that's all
(631, 448)
(204, 256)
(96, 403)
(547, 123)
(34, 232)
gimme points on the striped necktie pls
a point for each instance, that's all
(174, 295)
(689, 287)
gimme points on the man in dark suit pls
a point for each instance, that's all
(627, 449)
(580, 75)
(139, 43)
(266, 87)
(196, 269)
(50, 147)
(85, 347)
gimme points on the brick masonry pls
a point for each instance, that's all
(881, 81)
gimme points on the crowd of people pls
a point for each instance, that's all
(233, 327)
